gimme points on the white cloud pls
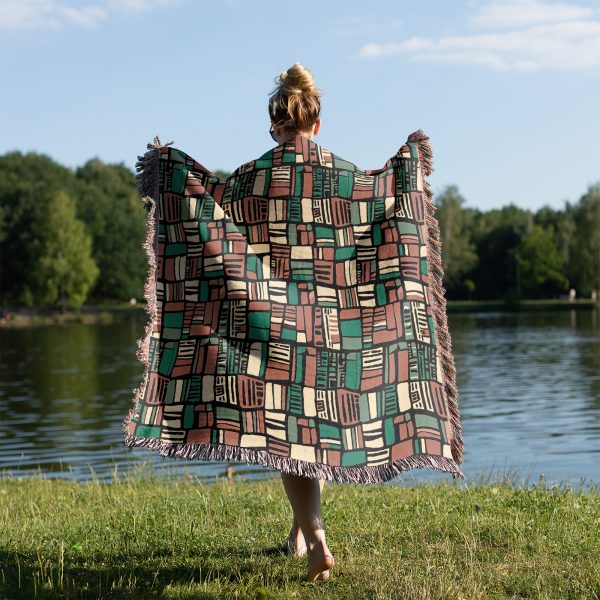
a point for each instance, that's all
(47, 14)
(519, 13)
(552, 36)
(138, 5)
(55, 14)
(86, 16)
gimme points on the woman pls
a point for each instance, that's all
(294, 109)
(297, 313)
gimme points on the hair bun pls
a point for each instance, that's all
(297, 80)
(295, 102)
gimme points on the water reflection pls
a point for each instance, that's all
(529, 395)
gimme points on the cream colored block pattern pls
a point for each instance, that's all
(300, 452)
(302, 252)
(403, 396)
(252, 440)
(307, 212)
(310, 407)
(274, 396)
(254, 360)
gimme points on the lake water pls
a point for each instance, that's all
(529, 397)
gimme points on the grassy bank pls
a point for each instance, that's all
(90, 314)
(155, 538)
(523, 305)
(110, 313)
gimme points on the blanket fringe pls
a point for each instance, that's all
(434, 262)
(147, 182)
(364, 474)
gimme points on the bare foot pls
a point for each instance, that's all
(320, 560)
(295, 543)
(323, 576)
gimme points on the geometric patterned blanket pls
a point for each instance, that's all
(297, 315)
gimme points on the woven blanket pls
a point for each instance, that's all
(297, 315)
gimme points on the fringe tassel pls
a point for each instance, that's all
(434, 262)
(147, 182)
(148, 187)
(364, 474)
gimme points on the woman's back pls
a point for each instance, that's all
(299, 318)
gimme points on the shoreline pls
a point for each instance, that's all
(101, 314)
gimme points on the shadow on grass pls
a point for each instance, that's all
(27, 575)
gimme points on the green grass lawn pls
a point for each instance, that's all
(153, 537)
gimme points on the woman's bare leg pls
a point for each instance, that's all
(304, 495)
(295, 536)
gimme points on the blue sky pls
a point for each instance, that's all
(507, 90)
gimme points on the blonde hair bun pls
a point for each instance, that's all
(295, 103)
(298, 80)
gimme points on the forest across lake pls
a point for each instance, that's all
(70, 237)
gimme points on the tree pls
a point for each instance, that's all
(562, 226)
(24, 180)
(469, 286)
(496, 233)
(64, 270)
(458, 250)
(110, 206)
(584, 263)
(222, 175)
(540, 264)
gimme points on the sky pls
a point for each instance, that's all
(507, 90)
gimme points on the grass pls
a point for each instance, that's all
(148, 536)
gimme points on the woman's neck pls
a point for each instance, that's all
(291, 136)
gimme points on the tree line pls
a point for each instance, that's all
(74, 236)
(514, 253)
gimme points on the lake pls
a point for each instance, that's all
(529, 397)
